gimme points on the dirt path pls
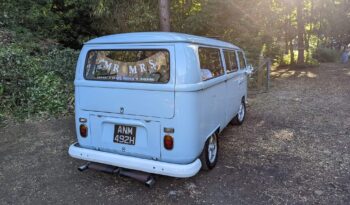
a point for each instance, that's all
(293, 149)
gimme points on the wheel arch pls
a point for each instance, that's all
(243, 99)
(216, 130)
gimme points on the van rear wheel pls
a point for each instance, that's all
(209, 155)
(239, 118)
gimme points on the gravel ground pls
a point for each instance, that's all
(292, 149)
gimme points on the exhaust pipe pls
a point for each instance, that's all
(104, 168)
(143, 177)
(99, 167)
(84, 167)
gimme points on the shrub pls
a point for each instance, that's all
(326, 55)
(36, 80)
(62, 62)
(18, 66)
(48, 94)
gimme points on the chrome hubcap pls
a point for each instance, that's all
(212, 148)
(241, 112)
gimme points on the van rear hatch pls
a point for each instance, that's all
(134, 137)
(128, 80)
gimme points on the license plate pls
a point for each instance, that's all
(124, 134)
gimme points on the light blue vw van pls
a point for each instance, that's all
(156, 101)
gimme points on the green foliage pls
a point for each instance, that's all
(35, 79)
(284, 60)
(62, 63)
(47, 95)
(326, 55)
(66, 21)
(123, 16)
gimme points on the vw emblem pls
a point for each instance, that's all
(121, 110)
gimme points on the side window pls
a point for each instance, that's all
(241, 60)
(210, 63)
(231, 61)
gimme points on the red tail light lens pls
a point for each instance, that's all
(83, 130)
(168, 142)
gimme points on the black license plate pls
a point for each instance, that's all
(124, 134)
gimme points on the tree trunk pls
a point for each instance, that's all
(307, 46)
(301, 31)
(289, 39)
(308, 33)
(286, 35)
(286, 45)
(164, 14)
(291, 50)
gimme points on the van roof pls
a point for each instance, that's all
(159, 37)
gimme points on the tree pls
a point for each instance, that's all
(164, 15)
(266, 27)
(301, 31)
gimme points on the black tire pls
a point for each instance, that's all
(238, 119)
(207, 162)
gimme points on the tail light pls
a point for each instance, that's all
(83, 130)
(168, 142)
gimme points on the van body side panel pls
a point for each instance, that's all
(187, 62)
(188, 141)
(197, 114)
(242, 77)
(231, 101)
(199, 108)
(212, 107)
(187, 138)
(242, 84)
(233, 95)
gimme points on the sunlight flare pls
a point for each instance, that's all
(311, 75)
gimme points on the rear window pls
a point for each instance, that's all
(150, 66)
(210, 63)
